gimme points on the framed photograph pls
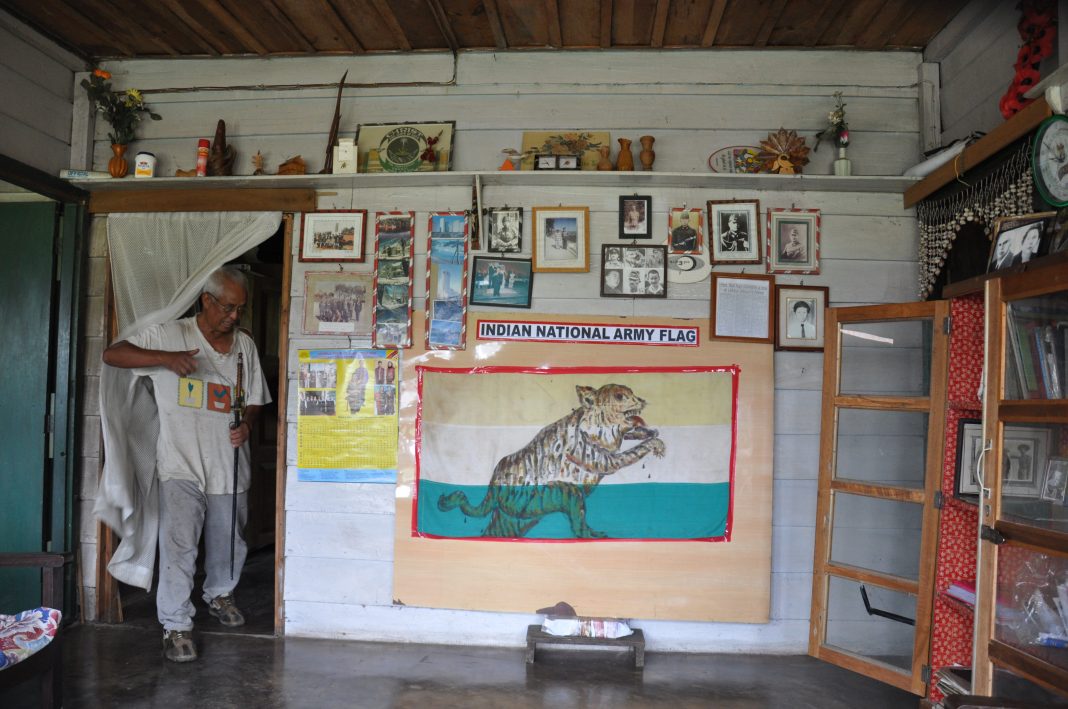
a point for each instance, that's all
(338, 303)
(686, 232)
(562, 239)
(567, 162)
(333, 235)
(1019, 239)
(633, 271)
(405, 147)
(1053, 485)
(394, 256)
(446, 281)
(505, 229)
(793, 243)
(1025, 454)
(969, 448)
(506, 282)
(800, 317)
(734, 231)
(635, 217)
(742, 307)
(544, 161)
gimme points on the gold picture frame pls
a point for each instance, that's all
(561, 241)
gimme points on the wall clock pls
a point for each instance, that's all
(1050, 160)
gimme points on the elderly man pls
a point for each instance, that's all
(193, 365)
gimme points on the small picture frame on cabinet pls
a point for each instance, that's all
(1056, 480)
(568, 162)
(545, 162)
(969, 448)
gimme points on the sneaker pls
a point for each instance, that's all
(178, 645)
(223, 608)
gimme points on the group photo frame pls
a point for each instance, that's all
(334, 235)
(1018, 239)
(338, 303)
(504, 230)
(561, 242)
(629, 271)
(800, 322)
(793, 241)
(501, 281)
(734, 231)
(635, 216)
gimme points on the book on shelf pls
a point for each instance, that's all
(1037, 343)
(954, 679)
(963, 591)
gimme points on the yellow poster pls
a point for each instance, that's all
(347, 415)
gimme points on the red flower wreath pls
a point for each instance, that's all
(1037, 29)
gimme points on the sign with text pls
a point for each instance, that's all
(588, 333)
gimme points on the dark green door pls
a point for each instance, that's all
(28, 244)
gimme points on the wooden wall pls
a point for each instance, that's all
(37, 86)
(339, 537)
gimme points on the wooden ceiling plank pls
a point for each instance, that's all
(386, 12)
(828, 19)
(287, 25)
(715, 17)
(772, 19)
(552, 12)
(442, 20)
(204, 37)
(141, 26)
(660, 23)
(493, 14)
(346, 32)
(893, 14)
(606, 23)
(78, 29)
(235, 27)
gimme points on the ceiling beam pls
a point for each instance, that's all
(204, 37)
(443, 24)
(287, 25)
(827, 19)
(395, 28)
(770, 21)
(715, 17)
(659, 23)
(493, 14)
(552, 19)
(348, 35)
(235, 27)
(606, 24)
(123, 20)
(892, 15)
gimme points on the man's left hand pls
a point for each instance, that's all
(239, 434)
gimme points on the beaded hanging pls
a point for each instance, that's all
(1003, 192)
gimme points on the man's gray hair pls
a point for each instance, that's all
(217, 280)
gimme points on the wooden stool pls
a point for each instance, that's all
(634, 641)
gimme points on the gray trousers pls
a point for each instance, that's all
(185, 511)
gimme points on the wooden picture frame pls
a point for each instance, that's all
(630, 271)
(734, 231)
(561, 239)
(1018, 239)
(504, 230)
(394, 274)
(969, 448)
(405, 147)
(338, 303)
(1025, 456)
(686, 231)
(743, 307)
(793, 241)
(1055, 480)
(501, 282)
(333, 235)
(800, 316)
(445, 307)
(635, 216)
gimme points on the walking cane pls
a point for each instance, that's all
(239, 407)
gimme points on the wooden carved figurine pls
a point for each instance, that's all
(221, 159)
(604, 163)
(624, 161)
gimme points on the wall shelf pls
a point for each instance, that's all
(621, 180)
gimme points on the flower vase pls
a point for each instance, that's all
(117, 165)
(842, 166)
(604, 164)
(625, 161)
(647, 155)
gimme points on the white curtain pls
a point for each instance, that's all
(159, 264)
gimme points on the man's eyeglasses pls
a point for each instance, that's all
(228, 309)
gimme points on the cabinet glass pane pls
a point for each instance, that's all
(1034, 475)
(891, 358)
(887, 447)
(877, 534)
(875, 637)
(1036, 331)
(1032, 606)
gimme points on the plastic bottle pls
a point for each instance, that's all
(203, 149)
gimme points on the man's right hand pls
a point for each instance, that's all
(181, 363)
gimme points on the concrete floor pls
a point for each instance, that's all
(122, 666)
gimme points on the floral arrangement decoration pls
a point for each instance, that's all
(122, 109)
(837, 129)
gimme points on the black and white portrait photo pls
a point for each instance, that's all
(800, 317)
(505, 230)
(635, 215)
(793, 241)
(800, 323)
(634, 271)
(735, 231)
(1017, 240)
(685, 236)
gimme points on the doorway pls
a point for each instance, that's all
(256, 595)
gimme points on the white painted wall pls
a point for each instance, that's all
(36, 97)
(339, 543)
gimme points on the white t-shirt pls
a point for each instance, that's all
(194, 411)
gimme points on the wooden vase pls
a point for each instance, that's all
(117, 165)
(625, 161)
(604, 163)
(647, 155)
